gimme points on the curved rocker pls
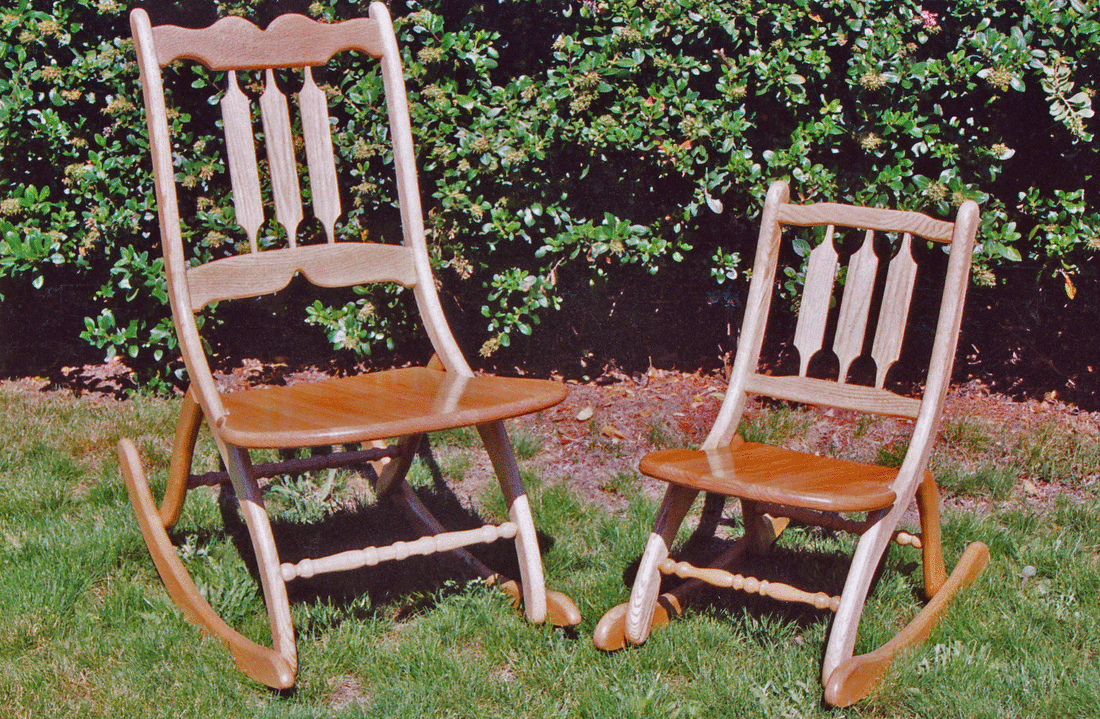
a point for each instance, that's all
(777, 485)
(854, 678)
(261, 663)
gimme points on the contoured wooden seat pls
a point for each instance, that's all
(776, 485)
(361, 411)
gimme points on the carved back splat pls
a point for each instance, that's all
(858, 293)
(241, 154)
(298, 44)
(852, 308)
(856, 305)
(813, 312)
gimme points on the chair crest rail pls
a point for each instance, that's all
(289, 41)
(867, 218)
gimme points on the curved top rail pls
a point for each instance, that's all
(234, 43)
(867, 218)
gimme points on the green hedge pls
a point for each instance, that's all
(570, 153)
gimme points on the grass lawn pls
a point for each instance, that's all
(87, 630)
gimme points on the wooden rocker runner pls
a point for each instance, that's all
(778, 485)
(363, 410)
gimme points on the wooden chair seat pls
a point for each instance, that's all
(379, 405)
(763, 473)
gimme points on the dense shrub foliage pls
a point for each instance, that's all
(570, 153)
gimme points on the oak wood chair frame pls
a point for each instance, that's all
(778, 485)
(363, 410)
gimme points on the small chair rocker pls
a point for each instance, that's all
(361, 411)
(777, 485)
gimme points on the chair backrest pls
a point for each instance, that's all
(852, 313)
(232, 46)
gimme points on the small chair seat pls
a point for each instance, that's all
(379, 405)
(763, 473)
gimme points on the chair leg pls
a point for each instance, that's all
(632, 621)
(274, 667)
(928, 507)
(183, 451)
(761, 531)
(251, 504)
(647, 582)
(533, 585)
(394, 471)
(559, 609)
(849, 678)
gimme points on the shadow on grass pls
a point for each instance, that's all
(404, 586)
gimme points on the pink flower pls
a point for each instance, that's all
(929, 19)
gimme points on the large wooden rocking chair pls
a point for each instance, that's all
(361, 411)
(777, 485)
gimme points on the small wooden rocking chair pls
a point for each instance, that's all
(359, 410)
(777, 485)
